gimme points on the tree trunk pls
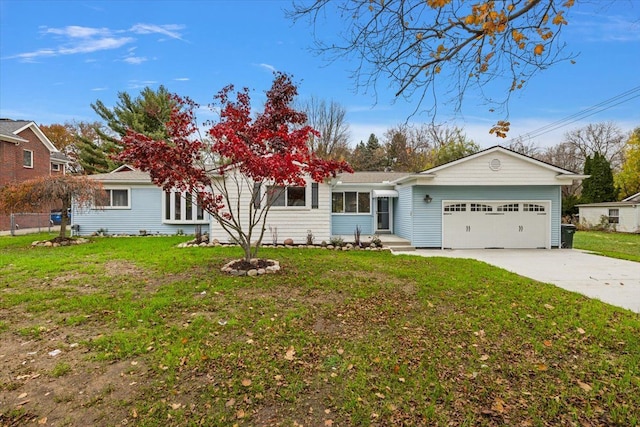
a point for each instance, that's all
(64, 221)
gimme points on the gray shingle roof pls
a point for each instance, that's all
(8, 127)
(122, 177)
(370, 177)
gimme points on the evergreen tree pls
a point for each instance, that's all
(146, 114)
(599, 187)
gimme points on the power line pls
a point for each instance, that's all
(602, 106)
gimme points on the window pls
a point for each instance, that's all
(458, 207)
(182, 207)
(286, 196)
(511, 207)
(27, 158)
(530, 207)
(114, 199)
(351, 202)
(55, 166)
(614, 216)
(479, 207)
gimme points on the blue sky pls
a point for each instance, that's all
(58, 57)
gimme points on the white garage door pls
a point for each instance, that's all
(490, 224)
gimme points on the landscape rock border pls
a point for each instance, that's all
(66, 242)
(272, 268)
(347, 247)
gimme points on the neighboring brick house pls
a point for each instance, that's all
(26, 153)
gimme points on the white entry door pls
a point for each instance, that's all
(490, 224)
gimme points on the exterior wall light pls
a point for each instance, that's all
(427, 199)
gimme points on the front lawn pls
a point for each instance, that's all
(136, 331)
(614, 245)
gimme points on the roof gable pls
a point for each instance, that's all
(11, 129)
(497, 166)
(501, 150)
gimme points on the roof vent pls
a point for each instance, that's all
(495, 164)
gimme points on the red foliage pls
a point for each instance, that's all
(272, 147)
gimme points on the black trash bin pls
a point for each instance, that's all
(567, 232)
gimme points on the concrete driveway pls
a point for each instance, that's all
(614, 281)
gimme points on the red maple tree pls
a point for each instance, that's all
(241, 154)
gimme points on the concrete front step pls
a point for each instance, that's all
(400, 248)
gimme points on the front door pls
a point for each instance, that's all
(383, 215)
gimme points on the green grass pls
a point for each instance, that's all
(614, 245)
(359, 338)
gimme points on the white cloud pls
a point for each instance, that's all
(170, 30)
(141, 84)
(75, 39)
(74, 31)
(135, 60)
(181, 79)
(267, 67)
(605, 28)
(99, 89)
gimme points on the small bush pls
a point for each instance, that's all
(337, 242)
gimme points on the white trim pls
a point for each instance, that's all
(110, 207)
(344, 212)
(12, 139)
(24, 150)
(375, 217)
(41, 136)
(285, 207)
(183, 210)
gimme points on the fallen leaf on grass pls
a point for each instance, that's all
(580, 331)
(340, 351)
(328, 423)
(42, 421)
(584, 386)
(380, 395)
(230, 403)
(542, 367)
(498, 406)
(246, 382)
(547, 343)
(240, 414)
(176, 405)
(484, 357)
(549, 307)
(289, 355)
(22, 396)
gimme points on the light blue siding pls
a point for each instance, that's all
(403, 212)
(427, 217)
(145, 214)
(345, 224)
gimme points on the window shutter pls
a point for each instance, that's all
(314, 195)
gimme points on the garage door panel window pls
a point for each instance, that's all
(457, 207)
(509, 207)
(479, 207)
(531, 207)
